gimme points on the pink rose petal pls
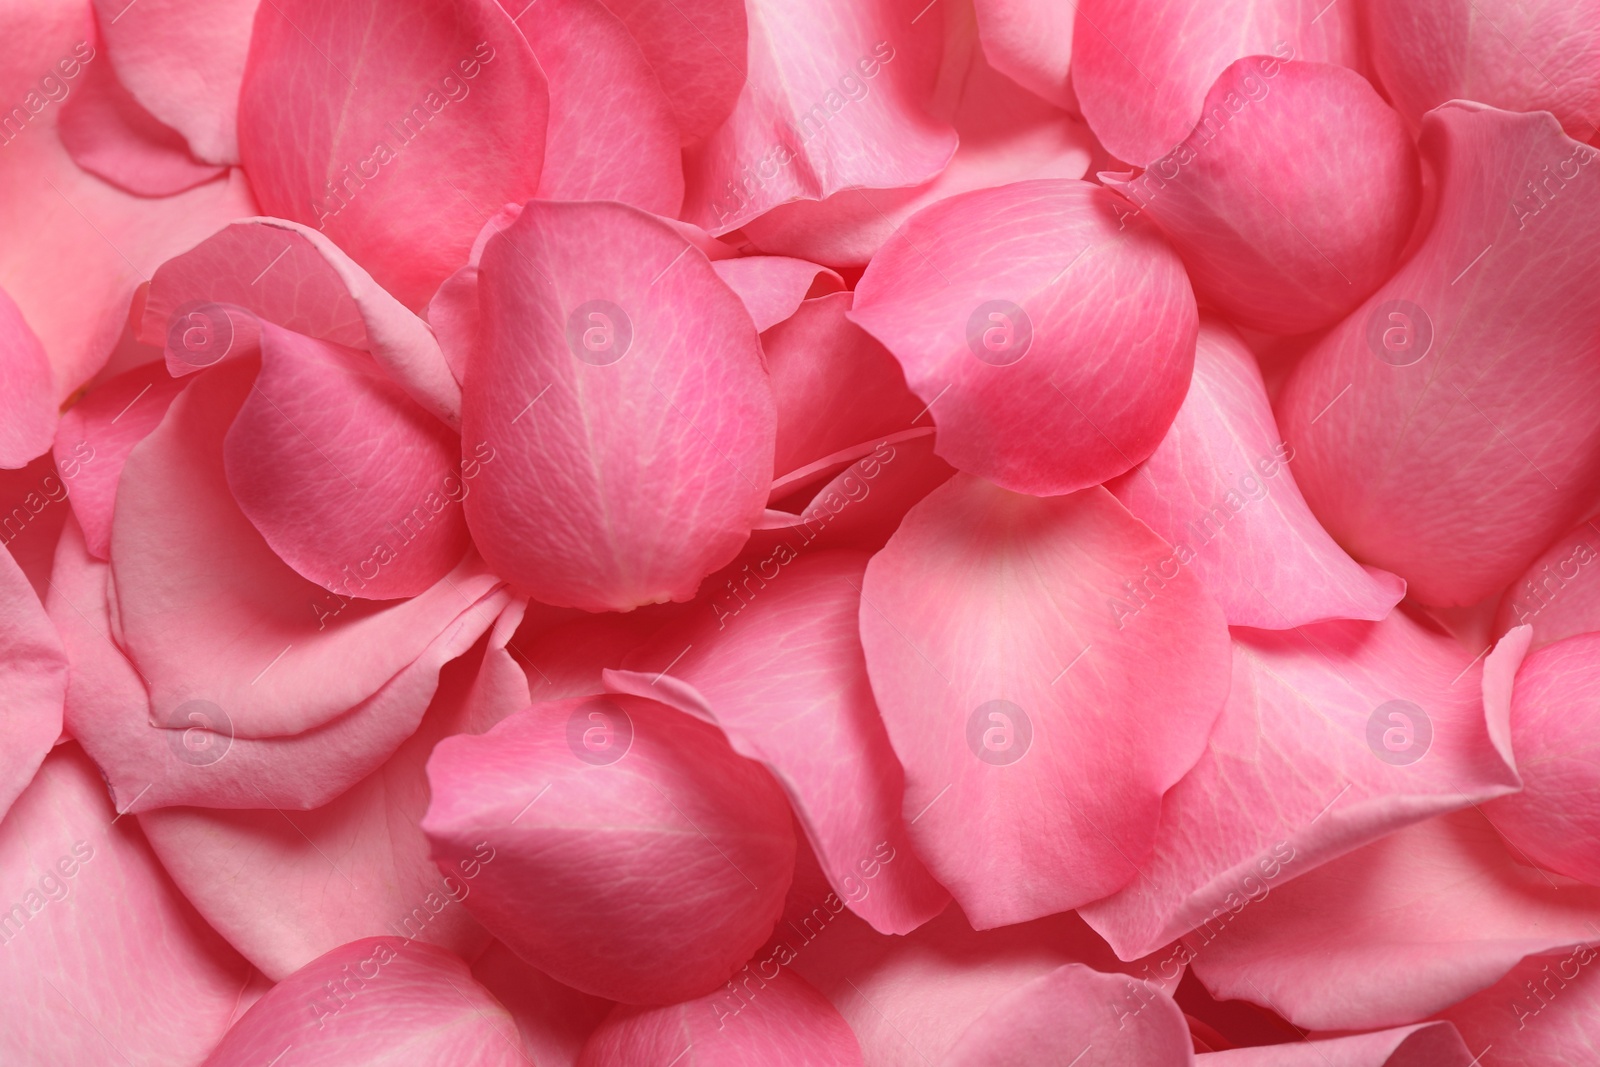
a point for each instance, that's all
(698, 50)
(774, 287)
(33, 676)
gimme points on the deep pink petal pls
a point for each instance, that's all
(33, 676)
(33, 510)
(622, 382)
(1449, 429)
(554, 1020)
(380, 1000)
(645, 873)
(207, 612)
(105, 960)
(1333, 736)
(612, 132)
(393, 128)
(835, 99)
(773, 287)
(789, 1023)
(1221, 489)
(698, 49)
(1053, 347)
(1277, 236)
(1141, 68)
(787, 683)
(1040, 700)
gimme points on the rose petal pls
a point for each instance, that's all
(33, 509)
(1220, 489)
(1541, 1014)
(1030, 43)
(698, 50)
(1039, 717)
(1424, 1045)
(774, 287)
(622, 381)
(1053, 352)
(1557, 595)
(33, 676)
(29, 417)
(554, 1020)
(645, 877)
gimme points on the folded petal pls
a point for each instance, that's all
(1333, 735)
(28, 388)
(1539, 56)
(637, 857)
(835, 99)
(1221, 490)
(773, 287)
(1543, 1013)
(613, 135)
(294, 276)
(792, 1023)
(698, 49)
(207, 611)
(183, 61)
(786, 682)
(1557, 595)
(1423, 1045)
(622, 381)
(1433, 427)
(1030, 43)
(380, 1001)
(105, 960)
(1280, 237)
(33, 676)
(393, 128)
(1044, 680)
(1052, 339)
(1399, 929)
(1141, 69)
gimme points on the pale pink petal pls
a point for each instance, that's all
(1031, 43)
(207, 612)
(636, 856)
(836, 99)
(1277, 234)
(378, 1002)
(1544, 1013)
(612, 132)
(698, 49)
(105, 960)
(112, 137)
(33, 677)
(293, 276)
(1333, 735)
(285, 887)
(1522, 56)
(554, 1020)
(1007, 135)
(1141, 68)
(1221, 490)
(1052, 339)
(1423, 1045)
(773, 287)
(27, 386)
(1555, 733)
(622, 382)
(393, 128)
(1449, 429)
(790, 1023)
(787, 683)
(1044, 680)
(183, 61)
(339, 471)
(1557, 595)
(1398, 930)
(194, 757)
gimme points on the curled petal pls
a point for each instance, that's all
(773, 287)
